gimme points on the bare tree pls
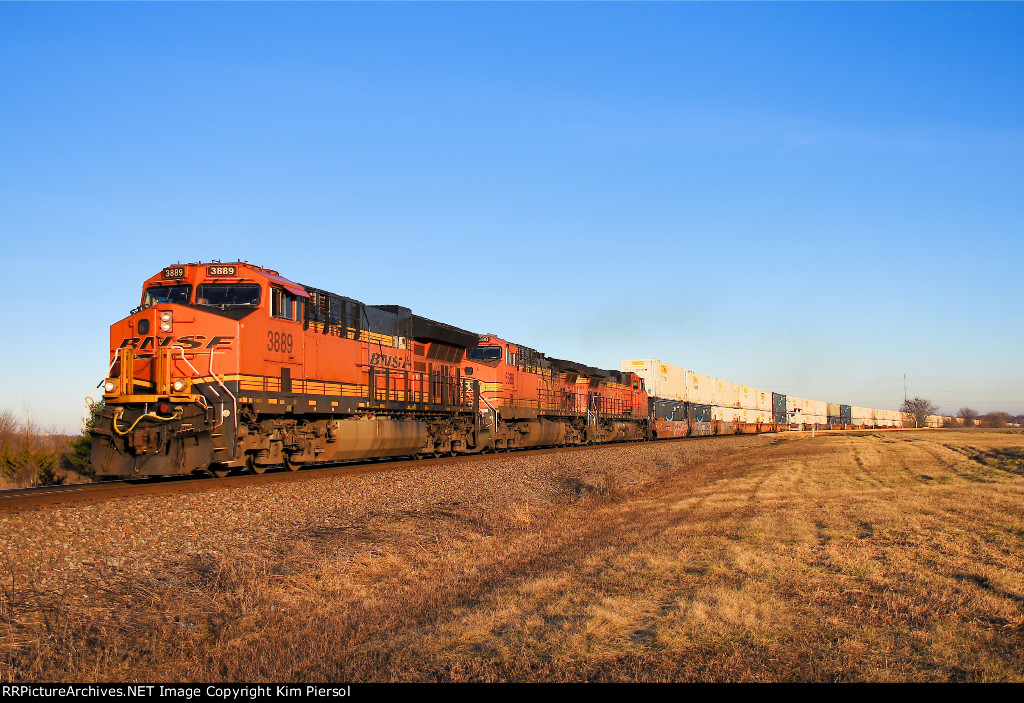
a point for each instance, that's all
(9, 427)
(969, 415)
(917, 410)
(996, 419)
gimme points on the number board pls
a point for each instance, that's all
(174, 272)
(221, 271)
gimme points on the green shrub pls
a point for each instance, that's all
(81, 447)
(38, 466)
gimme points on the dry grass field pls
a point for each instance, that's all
(884, 557)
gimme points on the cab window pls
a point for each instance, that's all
(283, 304)
(484, 354)
(167, 294)
(222, 294)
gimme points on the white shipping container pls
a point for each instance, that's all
(724, 393)
(763, 399)
(751, 416)
(746, 396)
(796, 409)
(661, 380)
(816, 412)
(796, 405)
(645, 369)
(676, 382)
(724, 414)
(673, 382)
(700, 388)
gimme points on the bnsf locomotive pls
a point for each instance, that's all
(229, 366)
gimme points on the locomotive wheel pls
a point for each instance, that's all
(250, 463)
(219, 470)
(291, 464)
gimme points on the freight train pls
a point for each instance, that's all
(231, 367)
(685, 402)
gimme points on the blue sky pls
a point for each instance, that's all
(809, 198)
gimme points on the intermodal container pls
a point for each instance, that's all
(746, 397)
(700, 388)
(724, 393)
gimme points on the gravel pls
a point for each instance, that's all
(68, 548)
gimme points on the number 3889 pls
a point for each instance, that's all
(279, 342)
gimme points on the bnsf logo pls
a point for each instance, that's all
(393, 362)
(195, 341)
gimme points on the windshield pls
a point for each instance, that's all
(228, 294)
(167, 294)
(484, 354)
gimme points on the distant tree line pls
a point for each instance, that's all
(972, 417)
(917, 410)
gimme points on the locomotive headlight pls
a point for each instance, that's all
(109, 386)
(166, 321)
(179, 386)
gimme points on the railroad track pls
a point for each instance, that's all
(26, 498)
(78, 492)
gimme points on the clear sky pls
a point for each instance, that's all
(812, 198)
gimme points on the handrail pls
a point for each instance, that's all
(234, 400)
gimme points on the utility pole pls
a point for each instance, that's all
(905, 400)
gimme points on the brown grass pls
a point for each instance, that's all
(887, 557)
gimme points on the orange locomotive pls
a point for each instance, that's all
(226, 366)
